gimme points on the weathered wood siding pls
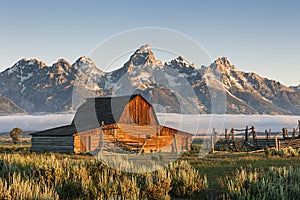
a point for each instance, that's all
(87, 141)
(126, 133)
(139, 112)
(63, 144)
(183, 139)
(165, 140)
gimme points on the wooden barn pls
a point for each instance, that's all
(119, 124)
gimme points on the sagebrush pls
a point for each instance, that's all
(49, 176)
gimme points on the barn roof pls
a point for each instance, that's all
(101, 109)
(91, 114)
(68, 130)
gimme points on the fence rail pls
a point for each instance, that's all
(250, 140)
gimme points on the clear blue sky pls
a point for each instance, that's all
(260, 36)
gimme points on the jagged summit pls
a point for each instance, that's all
(145, 49)
(144, 56)
(84, 59)
(180, 61)
(61, 66)
(222, 60)
(27, 65)
(62, 60)
(222, 64)
(62, 63)
(86, 64)
(295, 87)
(30, 62)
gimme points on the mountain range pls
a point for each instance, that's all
(30, 86)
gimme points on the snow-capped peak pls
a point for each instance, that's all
(222, 65)
(61, 66)
(84, 63)
(144, 49)
(144, 56)
(180, 61)
(62, 60)
(49, 89)
(84, 59)
(31, 64)
(222, 60)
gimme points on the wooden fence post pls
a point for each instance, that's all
(294, 133)
(267, 136)
(299, 126)
(215, 135)
(187, 146)
(284, 133)
(254, 132)
(254, 135)
(226, 135)
(246, 135)
(276, 143)
(212, 144)
(232, 134)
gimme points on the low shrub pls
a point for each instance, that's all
(287, 152)
(53, 176)
(275, 183)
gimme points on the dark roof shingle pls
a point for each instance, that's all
(68, 130)
(91, 114)
(101, 109)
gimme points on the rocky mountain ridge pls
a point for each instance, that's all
(177, 85)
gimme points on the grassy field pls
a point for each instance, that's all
(220, 175)
(219, 165)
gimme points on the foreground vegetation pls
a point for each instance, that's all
(274, 183)
(25, 175)
(53, 176)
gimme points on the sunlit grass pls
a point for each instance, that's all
(84, 177)
(56, 176)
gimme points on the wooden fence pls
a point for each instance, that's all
(248, 138)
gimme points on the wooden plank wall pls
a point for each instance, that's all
(183, 139)
(87, 141)
(138, 111)
(52, 144)
(78, 146)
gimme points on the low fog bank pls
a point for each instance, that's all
(203, 124)
(191, 123)
(34, 122)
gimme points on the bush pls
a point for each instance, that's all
(185, 180)
(268, 151)
(275, 183)
(52, 176)
(285, 152)
(157, 185)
